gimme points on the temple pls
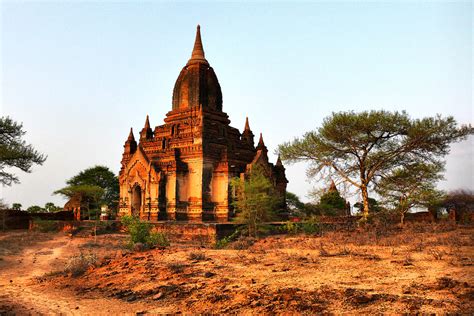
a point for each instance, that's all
(181, 170)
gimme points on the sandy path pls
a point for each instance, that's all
(21, 294)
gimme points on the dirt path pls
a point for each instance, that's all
(24, 257)
(341, 272)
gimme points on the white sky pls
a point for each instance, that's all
(80, 74)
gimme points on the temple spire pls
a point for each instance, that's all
(247, 134)
(147, 122)
(130, 144)
(261, 144)
(247, 126)
(278, 163)
(332, 187)
(130, 136)
(197, 55)
(146, 132)
(260, 141)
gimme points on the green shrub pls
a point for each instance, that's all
(310, 226)
(141, 233)
(156, 239)
(224, 242)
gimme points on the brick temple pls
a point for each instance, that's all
(181, 170)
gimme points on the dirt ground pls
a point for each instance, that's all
(427, 269)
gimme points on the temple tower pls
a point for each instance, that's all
(181, 170)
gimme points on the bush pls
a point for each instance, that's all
(310, 226)
(78, 265)
(156, 239)
(141, 233)
(197, 256)
(224, 242)
(176, 267)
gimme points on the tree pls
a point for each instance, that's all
(361, 148)
(294, 203)
(102, 177)
(255, 200)
(92, 194)
(374, 206)
(331, 203)
(411, 186)
(16, 206)
(35, 209)
(50, 207)
(14, 152)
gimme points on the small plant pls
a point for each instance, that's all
(323, 252)
(310, 226)
(176, 267)
(291, 228)
(437, 254)
(78, 265)
(157, 239)
(419, 246)
(408, 260)
(224, 242)
(141, 233)
(197, 256)
(243, 242)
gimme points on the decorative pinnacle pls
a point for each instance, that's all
(130, 136)
(147, 122)
(278, 163)
(260, 142)
(247, 126)
(332, 187)
(197, 55)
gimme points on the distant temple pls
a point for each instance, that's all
(182, 170)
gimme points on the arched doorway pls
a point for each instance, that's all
(136, 200)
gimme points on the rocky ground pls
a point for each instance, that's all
(427, 269)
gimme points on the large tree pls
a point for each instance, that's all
(15, 152)
(362, 148)
(87, 182)
(411, 186)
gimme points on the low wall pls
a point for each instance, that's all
(13, 219)
(203, 234)
(52, 225)
(193, 233)
(55, 216)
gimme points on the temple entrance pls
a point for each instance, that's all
(136, 200)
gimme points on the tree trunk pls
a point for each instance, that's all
(365, 201)
(402, 218)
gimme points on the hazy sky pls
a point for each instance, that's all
(80, 74)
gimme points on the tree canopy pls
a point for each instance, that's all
(363, 148)
(411, 186)
(16, 206)
(15, 152)
(98, 184)
(35, 209)
(332, 203)
(255, 201)
(100, 176)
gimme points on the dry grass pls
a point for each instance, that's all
(368, 271)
